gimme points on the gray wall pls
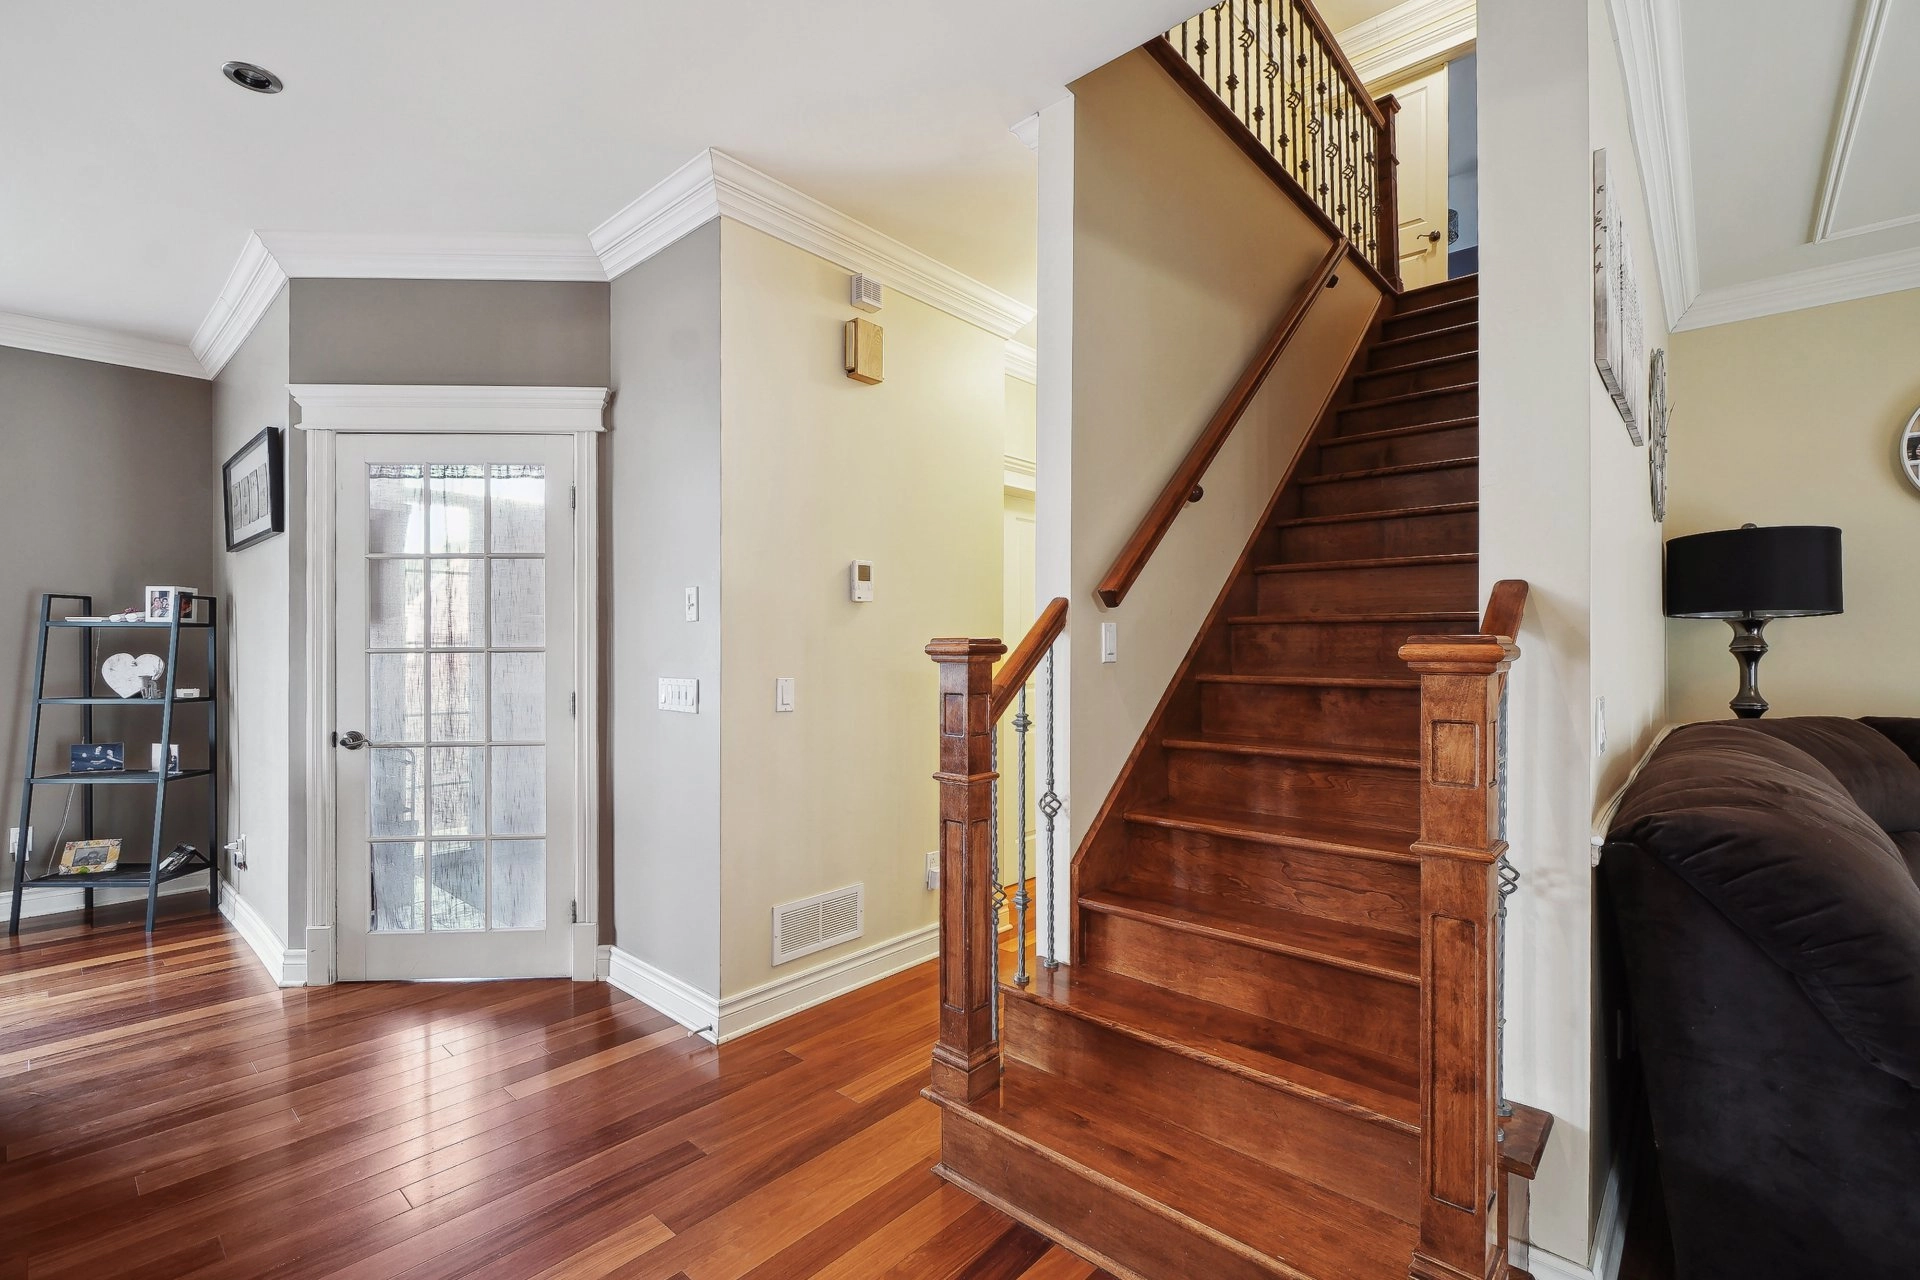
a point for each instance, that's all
(530, 333)
(663, 505)
(104, 488)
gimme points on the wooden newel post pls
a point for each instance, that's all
(1386, 187)
(1462, 838)
(966, 1060)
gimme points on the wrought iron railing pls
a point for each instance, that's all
(1277, 69)
(978, 901)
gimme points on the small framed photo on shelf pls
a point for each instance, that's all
(88, 857)
(97, 757)
(164, 604)
(253, 481)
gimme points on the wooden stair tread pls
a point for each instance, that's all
(1391, 433)
(1385, 844)
(1378, 562)
(1310, 681)
(1356, 947)
(1294, 1228)
(1429, 335)
(1403, 312)
(1471, 278)
(1370, 1087)
(1400, 469)
(1414, 366)
(1429, 617)
(1293, 751)
(1391, 513)
(1405, 397)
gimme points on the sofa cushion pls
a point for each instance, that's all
(1902, 731)
(1766, 833)
(1882, 779)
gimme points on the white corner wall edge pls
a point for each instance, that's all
(287, 968)
(51, 902)
(1798, 290)
(328, 406)
(84, 342)
(687, 1005)
(714, 184)
(1023, 362)
(735, 1016)
(1648, 35)
(1609, 1232)
(1410, 37)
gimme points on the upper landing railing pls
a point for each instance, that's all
(1273, 66)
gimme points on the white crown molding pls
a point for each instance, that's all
(339, 255)
(1409, 38)
(83, 342)
(1028, 129)
(251, 287)
(1866, 53)
(1814, 287)
(714, 184)
(1648, 34)
(349, 407)
(1023, 362)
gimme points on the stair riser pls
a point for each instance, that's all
(1455, 532)
(1443, 343)
(1391, 492)
(1359, 1009)
(1464, 403)
(1446, 291)
(1392, 589)
(1440, 318)
(1071, 1206)
(1370, 795)
(1394, 382)
(1365, 891)
(1367, 1162)
(1322, 648)
(1394, 451)
(1360, 719)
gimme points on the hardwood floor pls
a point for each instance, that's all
(166, 1111)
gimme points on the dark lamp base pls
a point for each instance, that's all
(1748, 647)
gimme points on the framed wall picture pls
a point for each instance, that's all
(254, 481)
(1619, 326)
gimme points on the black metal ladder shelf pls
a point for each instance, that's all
(125, 874)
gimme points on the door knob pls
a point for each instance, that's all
(353, 740)
(1433, 237)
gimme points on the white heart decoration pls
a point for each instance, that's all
(123, 672)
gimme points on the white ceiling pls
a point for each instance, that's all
(134, 172)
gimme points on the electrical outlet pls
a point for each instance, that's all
(933, 871)
(1600, 725)
(13, 841)
(237, 852)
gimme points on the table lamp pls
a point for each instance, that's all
(1750, 576)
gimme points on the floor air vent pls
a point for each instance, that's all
(813, 924)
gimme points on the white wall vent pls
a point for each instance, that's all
(865, 293)
(814, 924)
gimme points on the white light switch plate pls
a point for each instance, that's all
(681, 695)
(933, 871)
(1109, 642)
(693, 604)
(783, 693)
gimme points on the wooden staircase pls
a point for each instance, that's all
(1226, 1082)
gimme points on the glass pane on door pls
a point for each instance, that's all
(456, 671)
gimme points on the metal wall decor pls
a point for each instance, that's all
(1909, 450)
(1619, 329)
(1658, 412)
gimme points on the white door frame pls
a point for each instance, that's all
(329, 410)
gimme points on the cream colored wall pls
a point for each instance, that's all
(1184, 256)
(817, 470)
(1791, 419)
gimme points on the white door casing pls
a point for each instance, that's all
(566, 422)
(1420, 143)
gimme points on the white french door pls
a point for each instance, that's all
(454, 685)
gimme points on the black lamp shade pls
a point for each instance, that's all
(1786, 571)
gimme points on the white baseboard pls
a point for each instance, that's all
(689, 1006)
(735, 1016)
(51, 902)
(287, 968)
(1609, 1232)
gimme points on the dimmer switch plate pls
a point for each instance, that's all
(680, 695)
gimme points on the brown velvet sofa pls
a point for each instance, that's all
(1762, 879)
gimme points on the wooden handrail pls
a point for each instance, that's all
(1180, 487)
(1506, 605)
(1025, 659)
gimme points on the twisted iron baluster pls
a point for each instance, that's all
(999, 890)
(1509, 883)
(1021, 899)
(1050, 809)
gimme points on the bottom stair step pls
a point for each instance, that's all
(1148, 1199)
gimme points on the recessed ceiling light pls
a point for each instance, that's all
(248, 76)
